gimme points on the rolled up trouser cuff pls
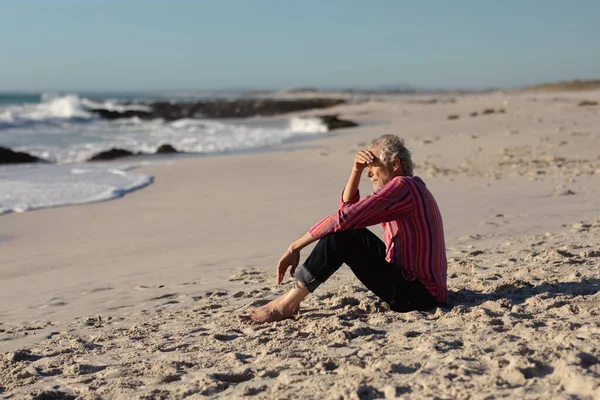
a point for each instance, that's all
(304, 276)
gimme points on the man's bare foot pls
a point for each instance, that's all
(271, 312)
(279, 309)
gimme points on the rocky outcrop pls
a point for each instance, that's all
(333, 122)
(111, 154)
(219, 109)
(119, 153)
(166, 149)
(112, 114)
(8, 156)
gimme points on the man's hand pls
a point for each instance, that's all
(291, 258)
(362, 159)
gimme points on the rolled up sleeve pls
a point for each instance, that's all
(353, 200)
(392, 201)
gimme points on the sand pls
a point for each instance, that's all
(140, 297)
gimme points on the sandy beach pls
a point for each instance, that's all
(140, 297)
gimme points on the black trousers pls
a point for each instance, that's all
(365, 254)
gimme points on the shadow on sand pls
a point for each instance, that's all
(520, 291)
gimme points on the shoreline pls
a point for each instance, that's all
(115, 167)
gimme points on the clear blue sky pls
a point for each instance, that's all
(223, 44)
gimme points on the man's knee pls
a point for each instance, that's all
(345, 236)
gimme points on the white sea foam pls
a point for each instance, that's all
(34, 186)
(308, 125)
(51, 110)
(70, 141)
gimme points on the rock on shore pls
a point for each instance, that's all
(115, 153)
(219, 109)
(111, 154)
(8, 156)
(333, 122)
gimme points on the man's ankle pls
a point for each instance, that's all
(299, 286)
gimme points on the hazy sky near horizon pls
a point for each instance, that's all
(121, 45)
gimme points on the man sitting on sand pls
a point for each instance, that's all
(407, 270)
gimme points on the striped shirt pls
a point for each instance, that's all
(413, 232)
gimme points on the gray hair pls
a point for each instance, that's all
(391, 146)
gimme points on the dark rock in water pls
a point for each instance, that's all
(8, 156)
(588, 103)
(110, 154)
(219, 109)
(174, 111)
(488, 111)
(333, 122)
(453, 116)
(166, 149)
(111, 114)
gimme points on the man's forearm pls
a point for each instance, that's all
(303, 241)
(351, 185)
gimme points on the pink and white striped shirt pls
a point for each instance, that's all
(413, 232)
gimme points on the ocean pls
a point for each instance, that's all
(59, 128)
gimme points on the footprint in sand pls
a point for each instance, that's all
(443, 346)
(216, 294)
(538, 369)
(96, 290)
(363, 331)
(164, 296)
(248, 276)
(233, 377)
(83, 369)
(225, 337)
(587, 360)
(326, 366)
(405, 369)
(52, 394)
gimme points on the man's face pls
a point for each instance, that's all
(378, 172)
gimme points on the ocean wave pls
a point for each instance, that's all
(55, 108)
(52, 110)
(308, 125)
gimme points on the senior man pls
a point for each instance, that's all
(407, 269)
